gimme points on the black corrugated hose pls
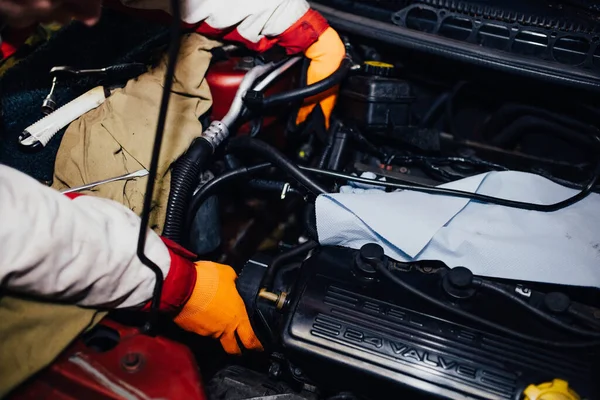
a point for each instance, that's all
(184, 179)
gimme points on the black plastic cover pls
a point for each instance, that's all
(376, 103)
(374, 338)
(563, 50)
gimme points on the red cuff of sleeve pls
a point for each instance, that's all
(73, 196)
(180, 281)
(306, 31)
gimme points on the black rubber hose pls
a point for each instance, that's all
(269, 153)
(255, 99)
(468, 195)
(509, 113)
(383, 270)
(537, 312)
(213, 185)
(272, 186)
(513, 133)
(278, 261)
(310, 221)
(435, 109)
(184, 179)
(174, 45)
(584, 318)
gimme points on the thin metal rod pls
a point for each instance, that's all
(136, 174)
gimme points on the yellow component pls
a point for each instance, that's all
(555, 390)
(379, 64)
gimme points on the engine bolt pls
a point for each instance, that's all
(275, 370)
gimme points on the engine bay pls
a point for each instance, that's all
(352, 322)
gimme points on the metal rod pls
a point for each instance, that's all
(136, 174)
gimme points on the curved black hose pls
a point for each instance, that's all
(184, 179)
(278, 261)
(310, 221)
(514, 132)
(268, 152)
(539, 313)
(174, 44)
(451, 106)
(255, 99)
(467, 195)
(382, 269)
(213, 185)
(508, 113)
(564, 182)
(434, 110)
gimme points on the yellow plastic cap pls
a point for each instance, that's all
(379, 64)
(555, 390)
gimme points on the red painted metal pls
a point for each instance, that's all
(139, 367)
(224, 78)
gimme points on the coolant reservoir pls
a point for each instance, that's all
(224, 78)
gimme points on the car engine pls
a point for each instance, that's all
(431, 92)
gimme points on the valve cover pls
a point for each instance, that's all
(373, 337)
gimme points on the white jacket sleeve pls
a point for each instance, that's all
(254, 19)
(81, 250)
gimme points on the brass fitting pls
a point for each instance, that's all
(277, 299)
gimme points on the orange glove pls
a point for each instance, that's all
(216, 309)
(326, 55)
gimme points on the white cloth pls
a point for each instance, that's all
(559, 247)
(253, 19)
(82, 250)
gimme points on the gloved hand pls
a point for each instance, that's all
(326, 55)
(216, 309)
(23, 13)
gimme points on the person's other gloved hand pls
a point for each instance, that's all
(23, 13)
(326, 55)
(216, 309)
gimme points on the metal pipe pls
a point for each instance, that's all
(262, 85)
(247, 82)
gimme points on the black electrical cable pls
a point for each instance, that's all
(466, 195)
(270, 153)
(382, 269)
(434, 110)
(297, 251)
(213, 185)
(539, 313)
(255, 99)
(174, 44)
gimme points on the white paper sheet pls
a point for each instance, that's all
(558, 247)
